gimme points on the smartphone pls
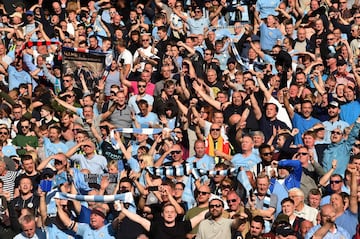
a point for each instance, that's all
(153, 188)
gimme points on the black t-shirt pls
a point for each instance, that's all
(158, 230)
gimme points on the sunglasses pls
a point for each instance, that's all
(67, 80)
(268, 154)
(215, 206)
(357, 145)
(336, 132)
(335, 181)
(214, 129)
(24, 127)
(231, 200)
(176, 152)
(303, 153)
(141, 86)
(197, 11)
(69, 96)
(3, 133)
(203, 193)
(75, 130)
(145, 40)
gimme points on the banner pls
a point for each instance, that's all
(84, 63)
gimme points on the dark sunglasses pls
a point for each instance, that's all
(232, 200)
(268, 154)
(214, 129)
(215, 206)
(335, 181)
(203, 193)
(336, 132)
(176, 152)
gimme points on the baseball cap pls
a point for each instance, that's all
(340, 62)
(29, 13)
(284, 230)
(331, 55)
(99, 211)
(230, 60)
(334, 104)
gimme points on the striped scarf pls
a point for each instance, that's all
(123, 197)
(147, 131)
(30, 44)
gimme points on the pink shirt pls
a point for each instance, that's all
(150, 88)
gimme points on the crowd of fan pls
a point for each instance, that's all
(223, 119)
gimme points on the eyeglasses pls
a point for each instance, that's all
(4, 133)
(87, 146)
(197, 11)
(141, 86)
(67, 80)
(203, 193)
(335, 181)
(208, 54)
(336, 132)
(214, 129)
(357, 145)
(319, 129)
(178, 5)
(267, 154)
(215, 206)
(303, 153)
(176, 152)
(330, 39)
(74, 130)
(24, 127)
(69, 96)
(123, 188)
(145, 40)
(231, 200)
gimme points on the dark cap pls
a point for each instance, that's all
(29, 13)
(284, 230)
(47, 171)
(334, 104)
(231, 60)
(56, 67)
(340, 62)
(331, 55)
(99, 211)
(282, 218)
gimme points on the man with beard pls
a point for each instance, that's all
(216, 226)
(203, 195)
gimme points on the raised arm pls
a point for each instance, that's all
(199, 89)
(288, 108)
(136, 218)
(353, 205)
